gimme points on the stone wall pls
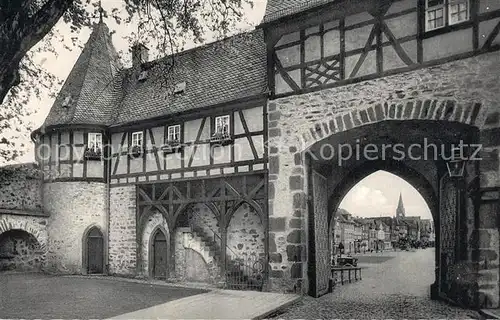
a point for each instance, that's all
(122, 233)
(245, 234)
(200, 216)
(28, 237)
(193, 261)
(465, 90)
(197, 269)
(74, 207)
(21, 188)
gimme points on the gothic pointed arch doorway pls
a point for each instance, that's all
(159, 255)
(93, 261)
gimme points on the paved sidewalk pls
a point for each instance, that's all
(218, 304)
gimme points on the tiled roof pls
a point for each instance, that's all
(223, 71)
(91, 84)
(102, 93)
(277, 9)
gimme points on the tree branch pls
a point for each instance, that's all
(24, 37)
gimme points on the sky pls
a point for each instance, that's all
(378, 195)
(371, 197)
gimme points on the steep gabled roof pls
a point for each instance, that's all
(102, 93)
(93, 85)
(223, 71)
(277, 9)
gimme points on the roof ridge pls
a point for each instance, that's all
(305, 5)
(91, 48)
(199, 48)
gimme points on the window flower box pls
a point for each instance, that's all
(135, 151)
(93, 154)
(172, 146)
(221, 138)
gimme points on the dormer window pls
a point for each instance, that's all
(67, 102)
(136, 144)
(180, 87)
(143, 75)
(441, 13)
(94, 146)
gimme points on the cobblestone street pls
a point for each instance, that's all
(398, 288)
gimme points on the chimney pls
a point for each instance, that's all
(140, 55)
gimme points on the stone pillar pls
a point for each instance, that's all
(122, 235)
(486, 236)
(287, 211)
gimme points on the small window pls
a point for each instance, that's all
(440, 13)
(137, 139)
(459, 11)
(222, 125)
(174, 133)
(95, 141)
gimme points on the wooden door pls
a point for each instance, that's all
(160, 256)
(449, 221)
(319, 261)
(95, 252)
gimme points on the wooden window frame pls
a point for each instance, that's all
(173, 146)
(136, 150)
(446, 13)
(222, 139)
(94, 153)
(174, 126)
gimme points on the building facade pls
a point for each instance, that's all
(219, 170)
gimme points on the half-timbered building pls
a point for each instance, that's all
(209, 170)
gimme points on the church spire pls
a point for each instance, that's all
(400, 211)
(101, 12)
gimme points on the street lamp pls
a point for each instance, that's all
(456, 165)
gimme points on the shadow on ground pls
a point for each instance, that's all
(30, 296)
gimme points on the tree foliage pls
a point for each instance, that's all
(27, 30)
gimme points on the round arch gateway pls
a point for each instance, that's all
(20, 251)
(326, 181)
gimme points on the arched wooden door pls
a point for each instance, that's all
(95, 251)
(160, 253)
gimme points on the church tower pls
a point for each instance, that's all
(400, 211)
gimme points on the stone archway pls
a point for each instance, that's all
(292, 165)
(412, 176)
(325, 178)
(23, 234)
(20, 251)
